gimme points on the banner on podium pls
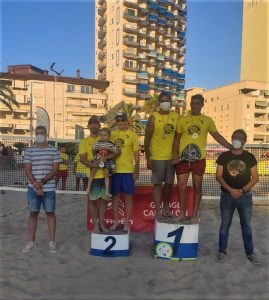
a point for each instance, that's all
(143, 211)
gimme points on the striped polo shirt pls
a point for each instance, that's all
(42, 160)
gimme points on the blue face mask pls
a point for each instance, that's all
(236, 144)
(40, 138)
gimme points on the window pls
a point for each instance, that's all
(86, 89)
(117, 15)
(117, 57)
(117, 37)
(70, 88)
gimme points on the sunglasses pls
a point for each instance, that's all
(120, 120)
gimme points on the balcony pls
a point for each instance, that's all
(101, 66)
(102, 21)
(144, 95)
(101, 33)
(130, 79)
(152, 54)
(101, 77)
(143, 47)
(143, 9)
(152, 62)
(263, 105)
(129, 53)
(142, 32)
(130, 67)
(143, 22)
(102, 44)
(130, 17)
(130, 3)
(151, 38)
(129, 28)
(102, 10)
(141, 57)
(131, 92)
(130, 42)
(161, 30)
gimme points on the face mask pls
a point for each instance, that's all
(40, 138)
(165, 106)
(236, 144)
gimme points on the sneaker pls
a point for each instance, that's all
(220, 258)
(254, 259)
(29, 246)
(52, 247)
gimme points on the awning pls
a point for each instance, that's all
(142, 75)
(142, 87)
(261, 103)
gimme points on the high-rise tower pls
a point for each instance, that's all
(140, 48)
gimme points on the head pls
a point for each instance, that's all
(197, 103)
(165, 101)
(121, 120)
(94, 125)
(40, 134)
(239, 138)
(62, 148)
(105, 134)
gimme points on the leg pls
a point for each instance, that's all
(77, 183)
(107, 182)
(197, 187)
(182, 180)
(128, 209)
(244, 207)
(157, 199)
(115, 207)
(32, 225)
(102, 210)
(93, 211)
(85, 183)
(64, 182)
(227, 207)
(51, 218)
(91, 177)
(167, 197)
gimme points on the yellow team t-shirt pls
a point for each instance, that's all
(80, 168)
(127, 142)
(85, 146)
(194, 130)
(161, 144)
(63, 165)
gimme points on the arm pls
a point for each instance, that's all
(86, 162)
(137, 163)
(254, 179)
(55, 169)
(235, 193)
(220, 139)
(148, 135)
(176, 158)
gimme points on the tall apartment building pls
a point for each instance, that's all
(140, 48)
(63, 104)
(255, 41)
(242, 104)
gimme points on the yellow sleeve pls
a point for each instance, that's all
(82, 147)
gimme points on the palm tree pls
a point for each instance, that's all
(7, 96)
(152, 104)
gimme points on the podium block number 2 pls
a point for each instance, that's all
(107, 251)
(177, 234)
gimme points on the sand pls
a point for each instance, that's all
(74, 274)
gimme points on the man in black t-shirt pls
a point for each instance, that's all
(237, 174)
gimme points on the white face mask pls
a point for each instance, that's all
(165, 106)
(236, 144)
(40, 138)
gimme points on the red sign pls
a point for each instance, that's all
(143, 210)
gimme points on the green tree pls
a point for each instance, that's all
(152, 104)
(6, 95)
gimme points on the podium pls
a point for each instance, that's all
(113, 244)
(175, 241)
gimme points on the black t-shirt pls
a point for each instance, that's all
(236, 168)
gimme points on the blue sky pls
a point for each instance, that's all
(42, 32)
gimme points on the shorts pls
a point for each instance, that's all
(163, 171)
(48, 201)
(122, 183)
(81, 175)
(62, 174)
(98, 190)
(196, 168)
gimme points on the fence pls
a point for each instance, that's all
(12, 172)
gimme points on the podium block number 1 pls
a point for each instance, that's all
(178, 234)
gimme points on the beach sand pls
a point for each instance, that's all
(74, 274)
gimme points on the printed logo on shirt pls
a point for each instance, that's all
(236, 167)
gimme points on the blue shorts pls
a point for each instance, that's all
(34, 201)
(122, 183)
(81, 175)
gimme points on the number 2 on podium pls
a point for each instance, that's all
(178, 234)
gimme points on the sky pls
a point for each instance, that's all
(42, 32)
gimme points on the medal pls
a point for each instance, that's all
(164, 135)
(195, 135)
(101, 164)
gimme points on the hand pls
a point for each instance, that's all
(95, 164)
(39, 192)
(149, 164)
(236, 193)
(175, 161)
(37, 185)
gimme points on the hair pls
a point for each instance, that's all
(198, 97)
(106, 130)
(93, 119)
(241, 131)
(165, 94)
(42, 128)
